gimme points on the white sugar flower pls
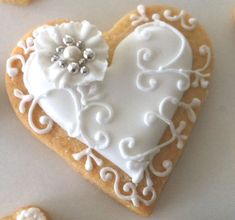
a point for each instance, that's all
(31, 214)
(70, 54)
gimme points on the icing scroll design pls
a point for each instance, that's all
(200, 77)
(149, 75)
(107, 173)
(12, 71)
(166, 164)
(146, 80)
(144, 161)
(44, 119)
(103, 115)
(150, 117)
(24, 99)
(188, 107)
(140, 18)
(101, 139)
(189, 25)
(27, 45)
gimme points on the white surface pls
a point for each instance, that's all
(202, 186)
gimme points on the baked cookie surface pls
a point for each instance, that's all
(119, 106)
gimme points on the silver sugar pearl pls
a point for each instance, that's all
(80, 44)
(68, 40)
(84, 70)
(60, 49)
(89, 54)
(55, 58)
(73, 68)
(82, 62)
(62, 63)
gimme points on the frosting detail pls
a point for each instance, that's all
(31, 214)
(141, 17)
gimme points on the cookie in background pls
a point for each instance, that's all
(16, 2)
(28, 213)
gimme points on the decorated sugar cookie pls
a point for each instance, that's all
(28, 213)
(17, 2)
(117, 106)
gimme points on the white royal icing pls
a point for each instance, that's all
(133, 135)
(141, 17)
(27, 46)
(31, 214)
(133, 196)
(189, 25)
(47, 39)
(122, 111)
(13, 71)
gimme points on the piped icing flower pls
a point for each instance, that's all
(31, 214)
(71, 54)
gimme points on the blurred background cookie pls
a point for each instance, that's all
(17, 2)
(28, 213)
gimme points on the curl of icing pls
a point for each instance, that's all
(102, 139)
(150, 117)
(146, 55)
(141, 17)
(189, 25)
(24, 99)
(188, 107)
(27, 45)
(49, 38)
(147, 81)
(44, 119)
(13, 71)
(103, 115)
(106, 174)
(200, 77)
(167, 165)
(31, 214)
(182, 84)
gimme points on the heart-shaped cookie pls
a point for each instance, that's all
(117, 106)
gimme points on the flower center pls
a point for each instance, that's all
(72, 53)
